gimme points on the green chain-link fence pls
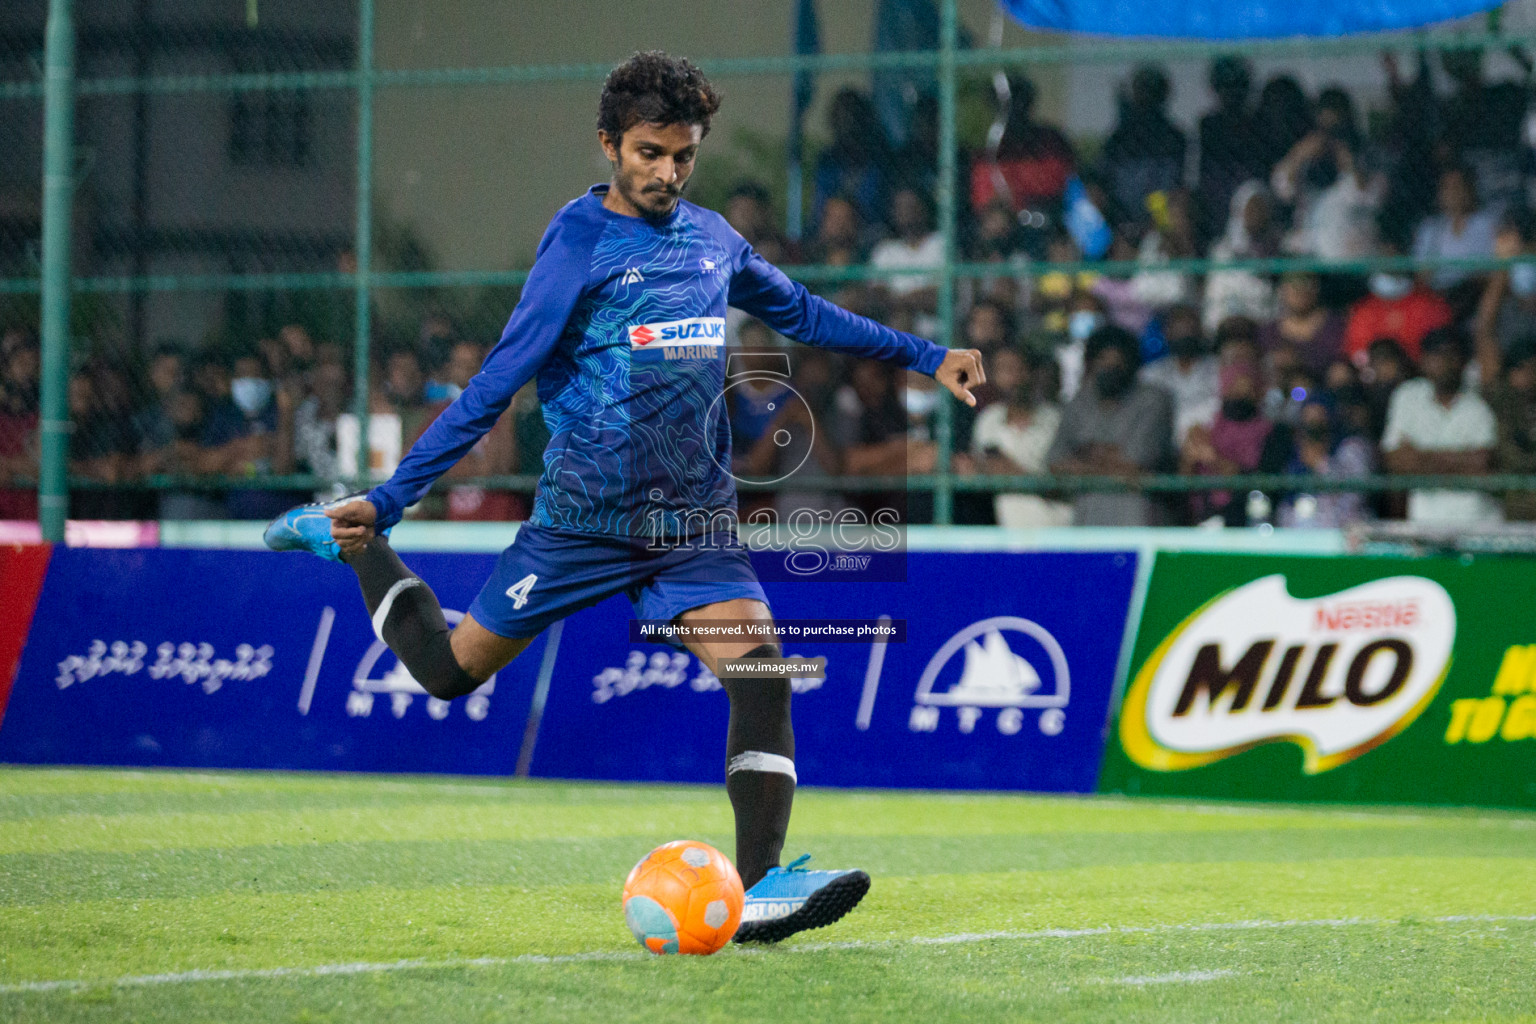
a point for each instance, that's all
(280, 230)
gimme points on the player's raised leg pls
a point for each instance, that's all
(760, 781)
(448, 663)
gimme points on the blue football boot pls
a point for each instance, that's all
(791, 899)
(308, 528)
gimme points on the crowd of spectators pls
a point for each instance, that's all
(1140, 368)
(210, 422)
(1132, 369)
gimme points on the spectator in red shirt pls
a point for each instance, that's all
(1032, 162)
(1399, 307)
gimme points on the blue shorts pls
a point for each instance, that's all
(548, 574)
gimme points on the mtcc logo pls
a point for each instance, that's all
(403, 688)
(1010, 664)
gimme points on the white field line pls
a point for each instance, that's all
(1176, 978)
(328, 970)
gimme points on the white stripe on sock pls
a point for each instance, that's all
(757, 761)
(389, 602)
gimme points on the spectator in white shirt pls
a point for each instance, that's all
(1436, 426)
(1014, 435)
(1335, 198)
(916, 247)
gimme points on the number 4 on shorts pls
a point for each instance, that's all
(518, 591)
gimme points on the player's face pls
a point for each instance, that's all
(651, 166)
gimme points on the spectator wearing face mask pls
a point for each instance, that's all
(493, 455)
(1399, 307)
(1240, 440)
(1189, 373)
(1087, 316)
(919, 398)
(1507, 308)
(1114, 426)
(1435, 425)
(249, 432)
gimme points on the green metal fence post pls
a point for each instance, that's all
(363, 280)
(58, 193)
(944, 493)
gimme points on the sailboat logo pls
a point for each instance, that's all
(402, 688)
(993, 674)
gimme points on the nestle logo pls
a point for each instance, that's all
(641, 335)
(1384, 615)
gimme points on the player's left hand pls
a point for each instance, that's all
(352, 525)
(960, 371)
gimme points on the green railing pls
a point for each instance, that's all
(59, 90)
(1149, 483)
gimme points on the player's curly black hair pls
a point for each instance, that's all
(655, 88)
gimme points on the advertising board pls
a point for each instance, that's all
(1299, 678)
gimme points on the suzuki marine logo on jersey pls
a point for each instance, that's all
(1005, 663)
(701, 337)
(1336, 675)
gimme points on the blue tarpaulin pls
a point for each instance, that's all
(1238, 19)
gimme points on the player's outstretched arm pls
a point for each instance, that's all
(761, 289)
(549, 295)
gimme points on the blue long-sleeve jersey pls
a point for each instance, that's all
(623, 320)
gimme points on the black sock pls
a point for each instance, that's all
(759, 768)
(411, 622)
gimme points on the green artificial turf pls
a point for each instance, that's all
(172, 896)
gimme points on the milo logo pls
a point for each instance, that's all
(1336, 675)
